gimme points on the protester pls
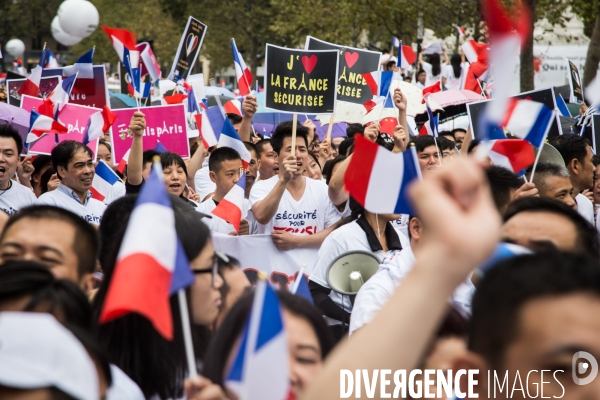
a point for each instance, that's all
(420, 79)
(252, 170)
(235, 283)
(454, 74)
(506, 187)
(553, 180)
(54, 237)
(13, 195)
(429, 152)
(104, 152)
(459, 136)
(313, 169)
(74, 164)
(448, 135)
(41, 164)
(309, 341)
(433, 68)
(335, 145)
(268, 165)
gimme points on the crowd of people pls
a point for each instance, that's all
(431, 305)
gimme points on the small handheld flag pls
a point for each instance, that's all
(104, 180)
(99, 123)
(31, 86)
(230, 138)
(40, 125)
(242, 72)
(231, 206)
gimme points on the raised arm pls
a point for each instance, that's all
(265, 209)
(462, 229)
(195, 163)
(446, 59)
(135, 164)
(249, 106)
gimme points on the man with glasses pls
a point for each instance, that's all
(225, 166)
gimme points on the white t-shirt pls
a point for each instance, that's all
(430, 78)
(585, 208)
(350, 237)
(306, 217)
(117, 191)
(63, 197)
(216, 224)
(123, 387)
(202, 183)
(16, 197)
(452, 82)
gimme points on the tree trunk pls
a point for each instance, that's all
(253, 60)
(593, 55)
(527, 53)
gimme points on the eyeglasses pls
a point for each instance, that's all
(214, 269)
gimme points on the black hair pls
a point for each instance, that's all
(251, 147)
(148, 156)
(446, 133)
(587, 236)
(284, 130)
(353, 129)
(543, 170)
(260, 147)
(232, 262)
(570, 147)
(455, 61)
(63, 153)
(7, 131)
(422, 142)
(421, 71)
(328, 167)
(445, 144)
(390, 64)
(39, 162)
(234, 118)
(346, 144)
(458, 130)
(436, 64)
(231, 328)
(127, 339)
(85, 239)
(167, 159)
(220, 155)
(596, 160)
(45, 178)
(511, 284)
(105, 143)
(501, 182)
(314, 158)
(472, 144)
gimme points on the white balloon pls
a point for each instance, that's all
(15, 47)
(78, 18)
(61, 36)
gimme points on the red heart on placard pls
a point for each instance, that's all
(309, 63)
(351, 58)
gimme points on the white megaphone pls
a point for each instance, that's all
(349, 271)
(550, 155)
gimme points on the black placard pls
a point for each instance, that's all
(300, 81)
(545, 96)
(574, 83)
(595, 132)
(189, 48)
(351, 87)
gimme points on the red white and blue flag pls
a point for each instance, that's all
(61, 94)
(104, 180)
(31, 86)
(40, 125)
(99, 123)
(123, 41)
(260, 369)
(429, 90)
(151, 264)
(123, 163)
(528, 120)
(513, 154)
(406, 56)
(84, 69)
(231, 206)
(230, 138)
(242, 72)
(431, 125)
(379, 82)
(378, 179)
(234, 106)
(460, 31)
(211, 127)
(475, 51)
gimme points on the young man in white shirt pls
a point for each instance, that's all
(267, 160)
(289, 206)
(74, 164)
(13, 195)
(225, 168)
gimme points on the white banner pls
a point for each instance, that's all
(257, 253)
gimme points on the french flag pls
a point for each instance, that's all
(61, 94)
(234, 106)
(103, 182)
(230, 208)
(475, 51)
(562, 107)
(151, 264)
(432, 124)
(123, 163)
(85, 77)
(242, 72)
(528, 120)
(429, 90)
(379, 82)
(460, 31)
(512, 154)
(193, 108)
(160, 148)
(230, 138)
(301, 287)
(31, 86)
(99, 123)
(40, 125)
(406, 56)
(378, 179)
(260, 368)
(211, 127)
(396, 42)
(123, 42)
(478, 72)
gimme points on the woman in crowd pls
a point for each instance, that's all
(104, 152)
(433, 68)
(454, 75)
(309, 341)
(313, 170)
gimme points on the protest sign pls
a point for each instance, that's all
(545, 96)
(352, 64)
(259, 254)
(97, 98)
(47, 85)
(189, 48)
(73, 116)
(574, 79)
(164, 124)
(300, 81)
(595, 132)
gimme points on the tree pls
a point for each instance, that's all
(589, 12)
(31, 20)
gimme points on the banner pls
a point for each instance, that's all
(74, 116)
(300, 81)
(164, 124)
(545, 96)
(47, 85)
(351, 88)
(574, 79)
(257, 253)
(99, 97)
(189, 48)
